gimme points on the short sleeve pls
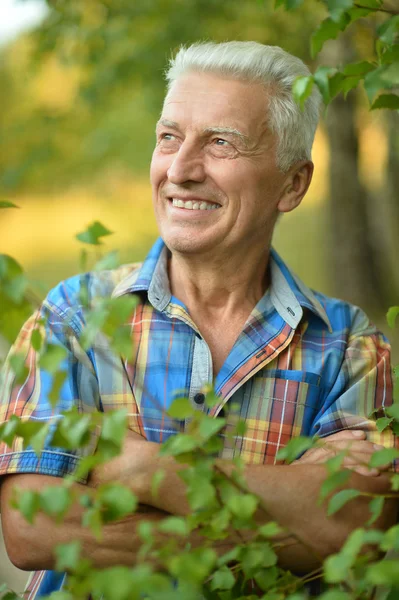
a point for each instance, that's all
(363, 387)
(29, 399)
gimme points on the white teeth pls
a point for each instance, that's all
(189, 205)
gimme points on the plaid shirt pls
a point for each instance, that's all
(304, 364)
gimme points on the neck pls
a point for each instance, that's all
(219, 284)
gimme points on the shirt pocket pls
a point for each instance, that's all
(277, 406)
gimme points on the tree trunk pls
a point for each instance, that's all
(353, 260)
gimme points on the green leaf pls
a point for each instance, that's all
(93, 233)
(52, 357)
(376, 80)
(210, 426)
(359, 68)
(266, 578)
(34, 434)
(358, 13)
(179, 444)
(9, 429)
(395, 482)
(28, 504)
(393, 410)
(68, 556)
(243, 505)
(390, 540)
(383, 457)
(114, 426)
(328, 29)
(390, 101)
(337, 8)
(36, 340)
(376, 506)
(174, 526)
(323, 78)
(157, 479)
(12, 279)
(385, 572)
(62, 595)
(390, 55)
(295, 448)
(222, 579)
(302, 89)
(57, 382)
(354, 544)
(194, 566)
(334, 464)
(114, 583)
(332, 482)
(201, 494)
(181, 409)
(108, 262)
(7, 204)
(336, 567)
(256, 556)
(335, 595)
(55, 501)
(349, 83)
(270, 529)
(372, 3)
(383, 423)
(117, 501)
(388, 30)
(73, 430)
(17, 364)
(340, 499)
(288, 4)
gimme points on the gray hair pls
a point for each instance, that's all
(277, 70)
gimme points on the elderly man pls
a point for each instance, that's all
(215, 304)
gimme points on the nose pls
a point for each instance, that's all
(187, 165)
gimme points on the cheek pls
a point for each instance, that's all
(158, 167)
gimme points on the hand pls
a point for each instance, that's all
(353, 441)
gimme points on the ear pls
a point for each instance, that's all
(296, 185)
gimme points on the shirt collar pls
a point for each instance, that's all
(287, 292)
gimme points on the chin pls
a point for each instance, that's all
(186, 244)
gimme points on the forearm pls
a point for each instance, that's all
(31, 547)
(289, 495)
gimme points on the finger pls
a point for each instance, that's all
(363, 446)
(347, 434)
(366, 471)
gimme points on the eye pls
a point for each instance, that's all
(221, 142)
(167, 137)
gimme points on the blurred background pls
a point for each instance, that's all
(81, 86)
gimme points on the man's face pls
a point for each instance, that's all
(215, 183)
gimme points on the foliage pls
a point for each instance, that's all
(376, 75)
(221, 505)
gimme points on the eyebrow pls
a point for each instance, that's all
(220, 130)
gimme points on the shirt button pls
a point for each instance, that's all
(199, 398)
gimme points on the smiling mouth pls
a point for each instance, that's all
(193, 204)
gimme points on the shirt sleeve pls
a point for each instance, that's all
(29, 399)
(363, 387)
